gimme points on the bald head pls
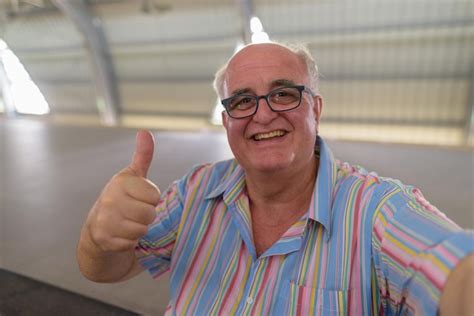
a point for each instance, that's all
(267, 51)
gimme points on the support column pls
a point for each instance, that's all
(469, 125)
(10, 110)
(107, 94)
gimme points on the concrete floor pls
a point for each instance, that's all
(51, 175)
(23, 296)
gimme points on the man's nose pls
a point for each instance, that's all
(264, 113)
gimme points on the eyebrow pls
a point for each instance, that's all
(282, 82)
(274, 83)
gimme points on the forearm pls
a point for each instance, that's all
(457, 296)
(105, 266)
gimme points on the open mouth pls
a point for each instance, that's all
(264, 136)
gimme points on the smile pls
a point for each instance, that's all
(277, 133)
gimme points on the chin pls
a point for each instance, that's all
(270, 165)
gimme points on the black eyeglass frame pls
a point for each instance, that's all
(301, 88)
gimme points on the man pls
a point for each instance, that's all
(284, 229)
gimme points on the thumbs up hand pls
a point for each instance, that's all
(126, 206)
(143, 155)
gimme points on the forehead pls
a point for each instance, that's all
(257, 66)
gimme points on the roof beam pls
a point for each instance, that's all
(246, 11)
(107, 94)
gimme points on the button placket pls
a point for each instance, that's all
(249, 295)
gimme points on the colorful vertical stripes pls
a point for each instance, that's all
(367, 246)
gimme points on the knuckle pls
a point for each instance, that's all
(154, 194)
(143, 231)
(146, 216)
(139, 232)
(100, 238)
(156, 197)
(123, 245)
(116, 180)
(105, 203)
(151, 215)
(109, 208)
(119, 180)
(130, 244)
(103, 218)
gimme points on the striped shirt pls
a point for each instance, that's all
(367, 245)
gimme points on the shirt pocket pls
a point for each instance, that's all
(305, 300)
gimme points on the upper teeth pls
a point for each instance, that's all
(269, 135)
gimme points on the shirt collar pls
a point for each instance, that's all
(321, 202)
(233, 184)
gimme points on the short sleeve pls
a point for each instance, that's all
(415, 247)
(154, 250)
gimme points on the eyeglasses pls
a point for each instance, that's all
(279, 100)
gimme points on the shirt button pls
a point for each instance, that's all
(249, 300)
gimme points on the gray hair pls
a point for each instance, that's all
(298, 49)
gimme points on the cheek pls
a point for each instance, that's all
(235, 131)
(308, 122)
(313, 123)
(311, 129)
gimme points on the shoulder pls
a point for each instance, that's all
(357, 177)
(207, 177)
(379, 190)
(212, 173)
(390, 200)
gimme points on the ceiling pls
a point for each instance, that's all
(385, 63)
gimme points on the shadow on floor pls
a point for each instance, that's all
(20, 295)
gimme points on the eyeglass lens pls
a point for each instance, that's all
(281, 99)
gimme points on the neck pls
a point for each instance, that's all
(282, 195)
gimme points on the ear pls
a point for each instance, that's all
(225, 119)
(318, 109)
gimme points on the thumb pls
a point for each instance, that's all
(143, 155)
